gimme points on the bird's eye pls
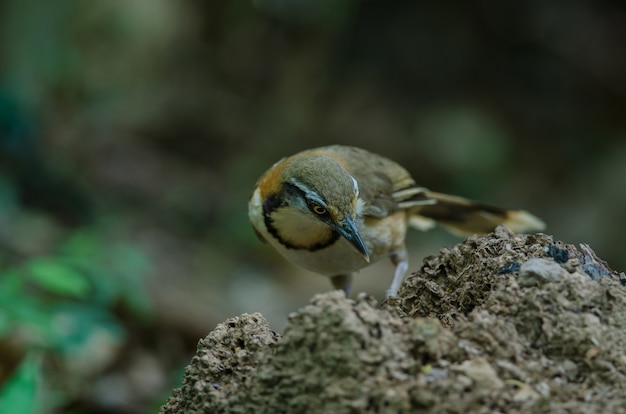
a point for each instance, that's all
(319, 210)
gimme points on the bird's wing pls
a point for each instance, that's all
(384, 185)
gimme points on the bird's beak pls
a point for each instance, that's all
(347, 228)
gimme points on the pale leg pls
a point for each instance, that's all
(401, 261)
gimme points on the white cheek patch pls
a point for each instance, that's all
(359, 203)
(356, 186)
(255, 210)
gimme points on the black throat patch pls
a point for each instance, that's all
(274, 202)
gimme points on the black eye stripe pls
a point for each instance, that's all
(294, 189)
(311, 198)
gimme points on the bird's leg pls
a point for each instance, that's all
(343, 282)
(401, 261)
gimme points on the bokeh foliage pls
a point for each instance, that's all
(60, 305)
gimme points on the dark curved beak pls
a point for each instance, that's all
(348, 230)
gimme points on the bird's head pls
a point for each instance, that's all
(316, 202)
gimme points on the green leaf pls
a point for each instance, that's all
(58, 277)
(19, 394)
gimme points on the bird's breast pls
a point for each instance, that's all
(337, 256)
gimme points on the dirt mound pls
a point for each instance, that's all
(500, 323)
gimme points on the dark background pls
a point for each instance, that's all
(136, 131)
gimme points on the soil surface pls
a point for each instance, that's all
(501, 323)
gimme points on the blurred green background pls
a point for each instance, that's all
(132, 132)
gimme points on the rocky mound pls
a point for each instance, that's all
(501, 323)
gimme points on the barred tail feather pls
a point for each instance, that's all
(465, 217)
(521, 221)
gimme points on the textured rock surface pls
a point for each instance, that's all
(462, 336)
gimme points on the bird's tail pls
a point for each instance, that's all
(465, 217)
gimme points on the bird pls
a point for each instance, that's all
(336, 209)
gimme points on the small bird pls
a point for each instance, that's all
(334, 210)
